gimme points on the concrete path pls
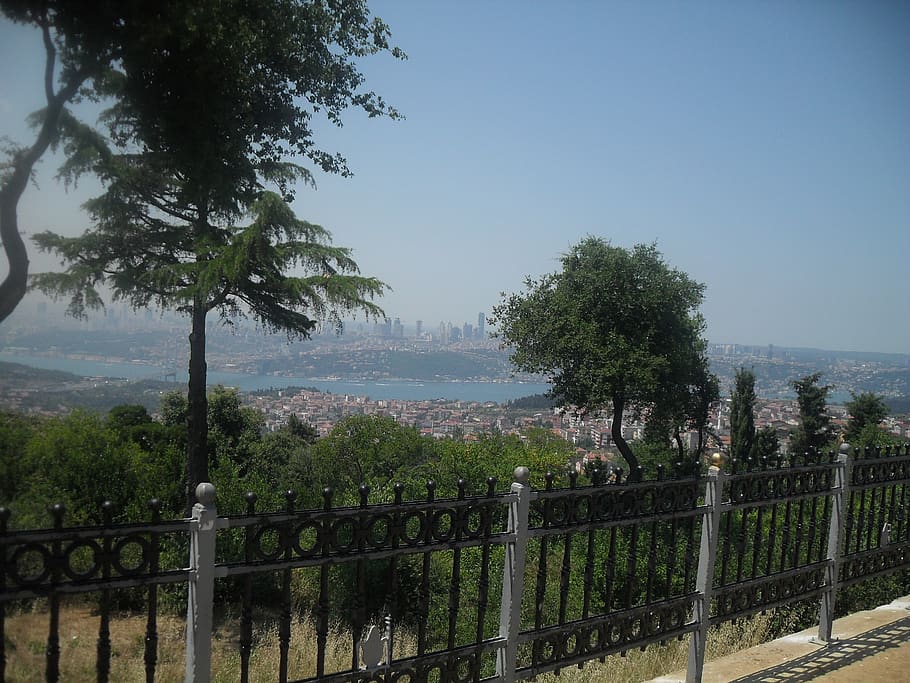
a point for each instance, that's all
(870, 646)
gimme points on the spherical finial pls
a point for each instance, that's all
(717, 460)
(522, 475)
(205, 493)
(844, 448)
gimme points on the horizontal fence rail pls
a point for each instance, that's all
(498, 586)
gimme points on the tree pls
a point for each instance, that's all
(188, 156)
(866, 413)
(615, 328)
(82, 39)
(813, 434)
(742, 415)
(766, 444)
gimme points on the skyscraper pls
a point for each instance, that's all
(481, 319)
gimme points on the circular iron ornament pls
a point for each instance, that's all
(476, 522)
(628, 504)
(339, 527)
(463, 668)
(450, 516)
(413, 539)
(23, 551)
(117, 555)
(75, 547)
(258, 540)
(548, 650)
(606, 504)
(403, 676)
(316, 547)
(559, 513)
(384, 537)
(582, 509)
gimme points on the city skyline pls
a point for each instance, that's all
(764, 147)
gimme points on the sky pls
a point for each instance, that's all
(764, 147)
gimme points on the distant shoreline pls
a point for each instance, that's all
(495, 391)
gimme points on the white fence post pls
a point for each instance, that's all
(835, 541)
(714, 488)
(201, 586)
(513, 576)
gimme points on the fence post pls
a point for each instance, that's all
(835, 541)
(513, 576)
(201, 586)
(704, 581)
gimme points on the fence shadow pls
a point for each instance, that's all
(835, 656)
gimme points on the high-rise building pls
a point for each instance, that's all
(419, 328)
(397, 329)
(467, 331)
(481, 319)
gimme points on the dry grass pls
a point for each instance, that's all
(27, 633)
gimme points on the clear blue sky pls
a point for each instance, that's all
(764, 146)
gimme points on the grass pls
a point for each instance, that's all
(26, 633)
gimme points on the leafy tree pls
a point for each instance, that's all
(188, 156)
(814, 433)
(866, 413)
(614, 328)
(80, 41)
(301, 430)
(742, 415)
(766, 444)
(15, 432)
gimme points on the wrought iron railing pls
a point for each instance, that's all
(499, 586)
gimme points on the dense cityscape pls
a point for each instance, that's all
(392, 350)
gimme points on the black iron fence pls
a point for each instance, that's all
(500, 586)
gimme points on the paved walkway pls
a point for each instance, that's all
(870, 646)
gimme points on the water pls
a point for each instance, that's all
(409, 390)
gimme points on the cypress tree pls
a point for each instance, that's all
(742, 415)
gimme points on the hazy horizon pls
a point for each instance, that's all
(763, 146)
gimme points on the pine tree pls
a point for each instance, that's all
(814, 433)
(742, 415)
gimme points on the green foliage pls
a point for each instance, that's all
(614, 327)
(766, 444)
(15, 432)
(814, 433)
(866, 414)
(742, 415)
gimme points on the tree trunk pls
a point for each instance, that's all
(15, 284)
(197, 428)
(624, 450)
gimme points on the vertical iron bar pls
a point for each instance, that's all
(358, 608)
(785, 540)
(862, 520)
(813, 529)
(800, 513)
(52, 654)
(103, 660)
(652, 569)
(725, 541)
(246, 607)
(455, 586)
(393, 578)
(322, 605)
(284, 617)
(483, 597)
(4, 520)
(671, 561)
(757, 540)
(741, 537)
(424, 591)
(566, 567)
(540, 590)
(772, 540)
(151, 622)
